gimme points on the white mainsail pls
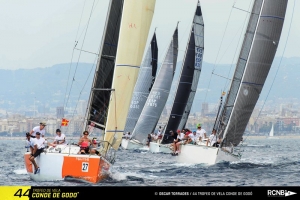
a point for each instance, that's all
(271, 134)
(135, 25)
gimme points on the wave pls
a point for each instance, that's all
(20, 171)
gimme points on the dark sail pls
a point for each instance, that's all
(101, 88)
(188, 79)
(254, 62)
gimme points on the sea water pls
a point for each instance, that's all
(264, 162)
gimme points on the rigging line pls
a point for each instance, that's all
(165, 51)
(87, 51)
(180, 41)
(222, 77)
(278, 64)
(81, 51)
(72, 117)
(76, 42)
(94, 7)
(78, 57)
(94, 64)
(83, 89)
(235, 53)
(218, 52)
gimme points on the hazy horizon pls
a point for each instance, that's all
(43, 33)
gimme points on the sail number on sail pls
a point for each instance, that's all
(135, 103)
(152, 99)
(198, 58)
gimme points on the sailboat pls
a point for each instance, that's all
(187, 85)
(141, 92)
(158, 96)
(254, 62)
(127, 21)
(136, 25)
(271, 134)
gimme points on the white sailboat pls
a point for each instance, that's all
(126, 21)
(254, 62)
(271, 134)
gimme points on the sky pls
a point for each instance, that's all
(38, 33)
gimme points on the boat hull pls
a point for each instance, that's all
(56, 166)
(200, 154)
(131, 144)
(159, 148)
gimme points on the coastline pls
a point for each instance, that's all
(266, 137)
(246, 137)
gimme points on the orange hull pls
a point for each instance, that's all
(57, 166)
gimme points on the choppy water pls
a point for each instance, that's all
(265, 162)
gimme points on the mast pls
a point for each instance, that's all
(217, 121)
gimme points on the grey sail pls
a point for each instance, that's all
(159, 93)
(188, 78)
(143, 85)
(102, 83)
(253, 65)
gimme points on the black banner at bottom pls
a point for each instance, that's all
(175, 192)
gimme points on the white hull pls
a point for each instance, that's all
(131, 144)
(156, 148)
(58, 163)
(200, 154)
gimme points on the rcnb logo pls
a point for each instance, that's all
(280, 193)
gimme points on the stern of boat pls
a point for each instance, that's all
(159, 148)
(197, 154)
(202, 154)
(57, 164)
(28, 164)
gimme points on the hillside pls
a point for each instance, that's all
(46, 88)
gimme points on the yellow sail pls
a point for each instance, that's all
(135, 24)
